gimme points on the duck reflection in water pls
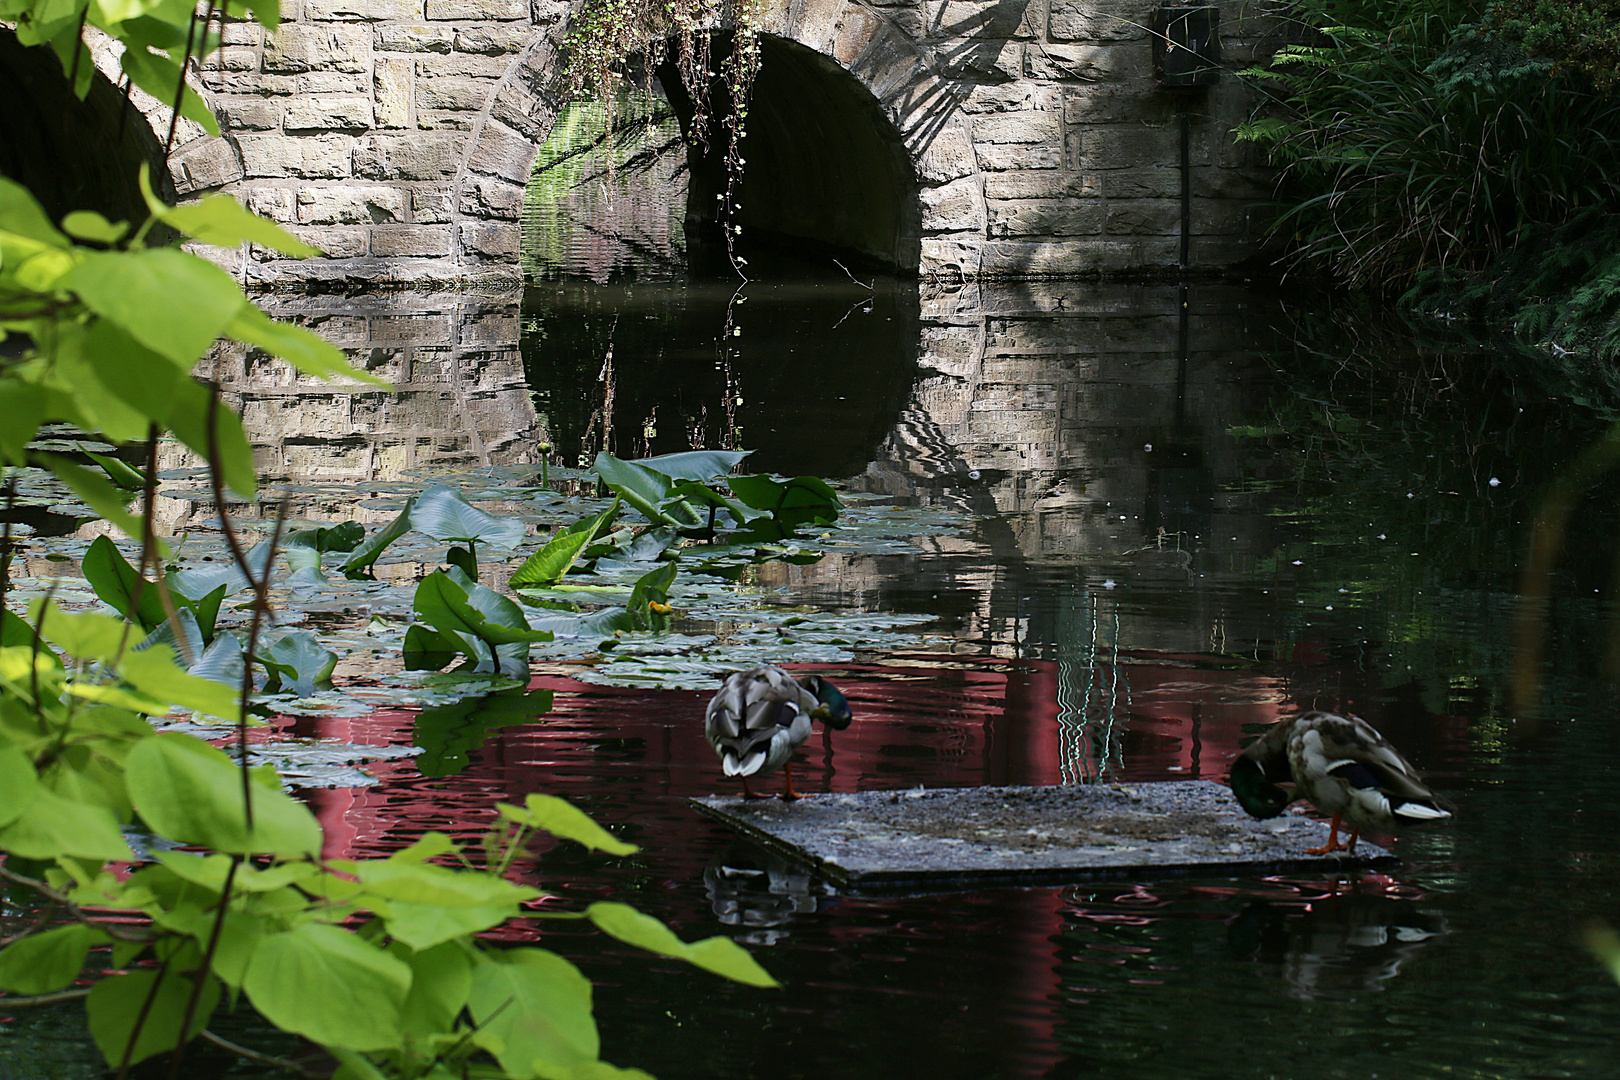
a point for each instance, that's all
(1341, 944)
(752, 888)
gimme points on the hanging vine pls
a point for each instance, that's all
(617, 43)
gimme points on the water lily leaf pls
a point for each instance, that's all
(533, 1008)
(720, 955)
(191, 792)
(450, 601)
(791, 503)
(445, 515)
(562, 819)
(427, 649)
(641, 487)
(128, 1006)
(696, 494)
(552, 562)
(226, 574)
(118, 471)
(183, 635)
(330, 986)
(359, 564)
(700, 465)
(299, 657)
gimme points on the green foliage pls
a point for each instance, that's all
(466, 618)
(442, 513)
(1462, 157)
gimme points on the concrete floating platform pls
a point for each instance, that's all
(897, 841)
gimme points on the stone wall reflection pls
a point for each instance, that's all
(1087, 428)
(459, 400)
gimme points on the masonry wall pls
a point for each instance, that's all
(397, 134)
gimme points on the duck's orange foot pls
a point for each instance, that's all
(1333, 840)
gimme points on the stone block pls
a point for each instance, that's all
(419, 156)
(491, 197)
(439, 120)
(943, 155)
(241, 32)
(478, 10)
(1155, 182)
(329, 112)
(414, 38)
(982, 20)
(1089, 63)
(502, 152)
(949, 257)
(318, 157)
(347, 243)
(1118, 146)
(1043, 184)
(952, 207)
(204, 164)
(1086, 20)
(528, 114)
(1020, 96)
(235, 58)
(351, 205)
(1020, 156)
(249, 114)
(952, 349)
(1117, 103)
(454, 92)
(393, 83)
(489, 329)
(1066, 258)
(431, 206)
(985, 61)
(260, 85)
(433, 66)
(394, 241)
(491, 240)
(362, 10)
(1055, 217)
(331, 82)
(491, 40)
(276, 203)
(301, 47)
(1018, 127)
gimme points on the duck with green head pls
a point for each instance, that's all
(1344, 767)
(761, 717)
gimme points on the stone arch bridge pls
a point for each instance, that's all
(952, 138)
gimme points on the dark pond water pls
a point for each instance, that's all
(1189, 512)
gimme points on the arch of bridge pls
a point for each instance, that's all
(397, 135)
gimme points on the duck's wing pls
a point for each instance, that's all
(752, 708)
(1359, 755)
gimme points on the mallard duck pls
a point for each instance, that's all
(1344, 767)
(762, 715)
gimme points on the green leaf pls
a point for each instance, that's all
(119, 472)
(86, 635)
(427, 649)
(154, 672)
(301, 653)
(700, 465)
(533, 1011)
(118, 1004)
(23, 406)
(441, 979)
(720, 955)
(304, 350)
(791, 502)
(443, 514)
(641, 487)
(138, 290)
(552, 562)
(330, 986)
(160, 77)
(20, 213)
(223, 222)
(52, 826)
(46, 962)
(17, 783)
(191, 792)
(560, 818)
(464, 606)
(96, 492)
(428, 905)
(89, 225)
(115, 582)
(359, 564)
